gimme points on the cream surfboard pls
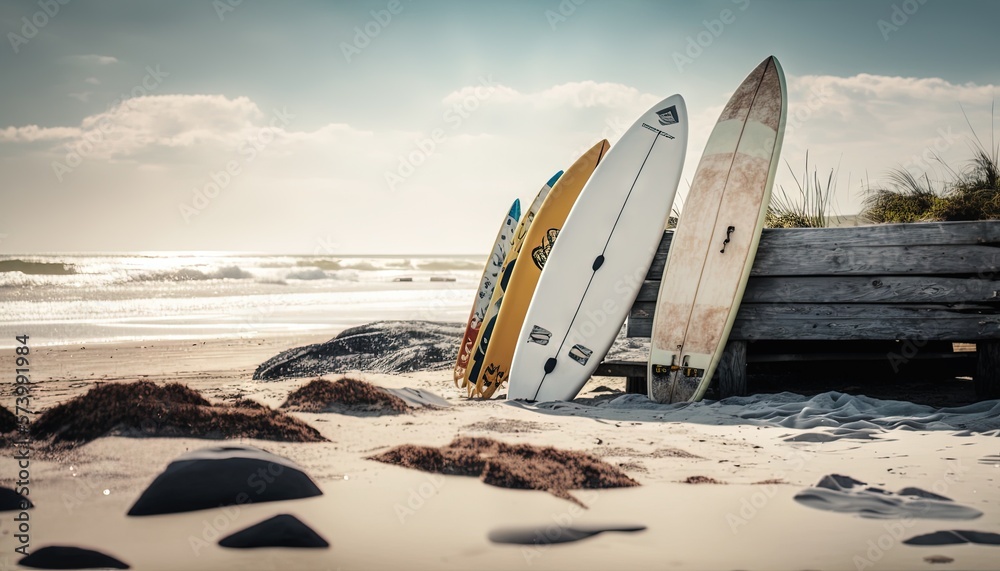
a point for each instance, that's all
(487, 282)
(596, 267)
(485, 331)
(716, 239)
(538, 243)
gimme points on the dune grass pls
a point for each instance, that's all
(812, 208)
(972, 193)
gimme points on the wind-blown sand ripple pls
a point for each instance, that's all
(850, 416)
(955, 537)
(846, 495)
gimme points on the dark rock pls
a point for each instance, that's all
(67, 557)
(11, 501)
(279, 531)
(8, 422)
(382, 347)
(229, 475)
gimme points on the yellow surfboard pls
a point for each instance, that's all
(479, 348)
(537, 244)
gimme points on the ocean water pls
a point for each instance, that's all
(85, 298)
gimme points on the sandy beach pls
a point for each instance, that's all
(718, 481)
(270, 270)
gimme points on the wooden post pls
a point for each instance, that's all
(732, 371)
(987, 379)
(635, 385)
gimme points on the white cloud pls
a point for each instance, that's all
(95, 59)
(92, 81)
(578, 95)
(875, 123)
(505, 147)
(34, 133)
(82, 97)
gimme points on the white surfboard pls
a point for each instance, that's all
(716, 239)
(604, 250)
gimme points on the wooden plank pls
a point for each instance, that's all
(925, 233)
(620, 369)
(849, 321)
(637, 368)
(841, 356)
(732, 372)
(845, 242)
(877, 289)
(865, 260)
(975, 260)
(859, 289)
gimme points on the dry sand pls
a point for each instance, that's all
(379, 516)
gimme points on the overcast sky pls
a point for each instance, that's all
(409, 126)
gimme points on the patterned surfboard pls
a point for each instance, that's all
(501, 246)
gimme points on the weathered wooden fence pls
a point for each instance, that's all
(918, 283)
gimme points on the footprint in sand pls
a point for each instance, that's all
(955, 537)
(834, 435)
(846, 495)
